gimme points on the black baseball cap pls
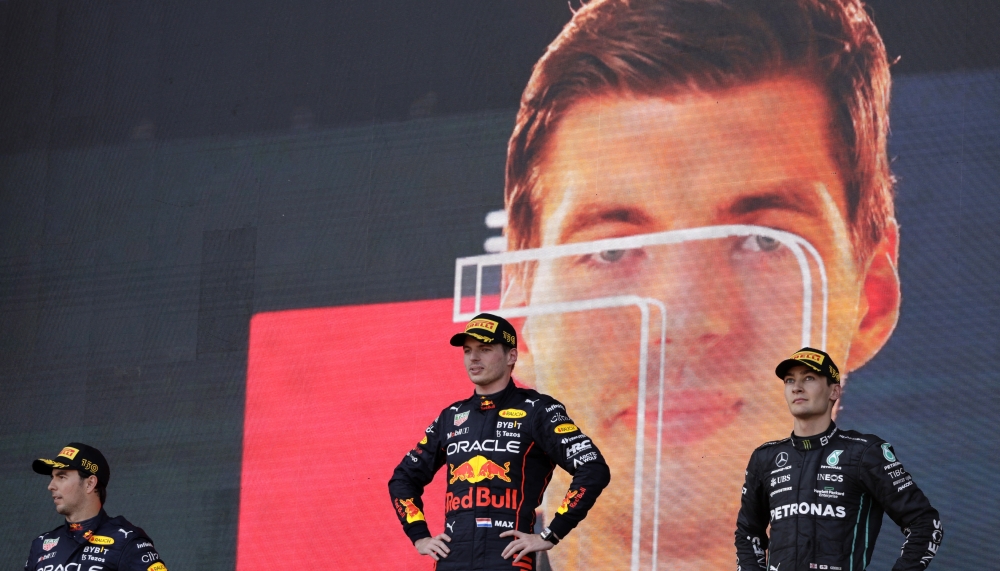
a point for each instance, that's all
(815, 359)
(487, 328)
(76, 456)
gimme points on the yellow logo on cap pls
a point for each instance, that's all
(487, 324)
(809, 356)
(101, 540)
(482, 338)
(69, 452)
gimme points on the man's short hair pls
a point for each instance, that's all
(102, 491)
(669, 47)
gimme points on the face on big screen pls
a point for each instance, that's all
(619, 166)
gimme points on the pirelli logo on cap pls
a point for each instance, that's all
(487, 324)
(809, 356)
(69, 452)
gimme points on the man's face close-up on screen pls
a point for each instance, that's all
(759, 155)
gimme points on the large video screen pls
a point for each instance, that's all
(254, 325)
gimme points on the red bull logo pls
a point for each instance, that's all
(480, 497)
(477, 469)
(406, 508)
(571, 500)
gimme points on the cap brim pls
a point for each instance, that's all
(458, 339)
(45, 466)
(782, 369)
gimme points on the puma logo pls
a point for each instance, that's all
(773, 567)
(531, 402)
(449, 526)
(453, 408)
(125, 533)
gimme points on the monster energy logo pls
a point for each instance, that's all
(834, 458)
(807, 444)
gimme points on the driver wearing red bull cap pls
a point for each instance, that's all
(500, 447)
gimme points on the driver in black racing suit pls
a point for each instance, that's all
(823, 490)
(500, 447)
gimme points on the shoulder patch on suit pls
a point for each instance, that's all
(772, 443)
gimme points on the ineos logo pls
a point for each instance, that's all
(782, 459)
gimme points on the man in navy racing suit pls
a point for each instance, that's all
(90, 540)
(500, 447)
(823, 490)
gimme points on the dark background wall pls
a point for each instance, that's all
(167, 171)
(84, 73)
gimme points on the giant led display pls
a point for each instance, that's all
(250, 318)
(675, 225)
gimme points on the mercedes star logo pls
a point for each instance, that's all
(782, 459)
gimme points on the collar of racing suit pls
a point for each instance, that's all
(486, 402)
(814, 442)
(79, 529)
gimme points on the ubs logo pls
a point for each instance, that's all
(781, 459)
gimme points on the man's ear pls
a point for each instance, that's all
(878, 309)
(836, 392)
(512, 356)
(91, 484)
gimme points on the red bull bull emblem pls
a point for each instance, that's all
(477, 469)
(571, 500)
(487, 404)
(406, 508)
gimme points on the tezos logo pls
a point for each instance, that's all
(781, 459)
(834, 458)
(888, 453)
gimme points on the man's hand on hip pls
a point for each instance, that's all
(524, 544)
(433, 546)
